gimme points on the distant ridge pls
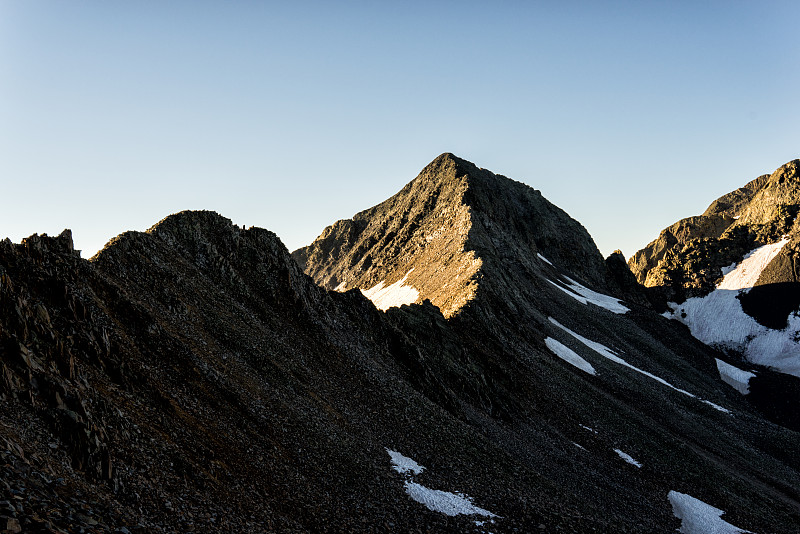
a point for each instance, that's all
(687, 258)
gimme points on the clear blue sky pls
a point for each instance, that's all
(291, 115)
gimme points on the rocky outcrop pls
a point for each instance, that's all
(419, 235)
(731, 275)
(688, 257)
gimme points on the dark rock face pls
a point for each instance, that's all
(192, 378)
(628, 287)
(771, 304)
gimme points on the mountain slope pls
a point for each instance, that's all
(219, 388)
(539, 297)
(193, 378)
(731, 274)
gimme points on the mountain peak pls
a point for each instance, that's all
(433, 239)
(447, 161)
(415, 239)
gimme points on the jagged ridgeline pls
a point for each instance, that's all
(689, 257)
(192, 378)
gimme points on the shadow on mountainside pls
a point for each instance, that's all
(777, 396)
(771, 304)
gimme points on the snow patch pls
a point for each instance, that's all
(444, 501)
(628, 458)
(404, 464)
(437, 500)
(544, 259)
(718, 319)
(340, 287)
(698, 517)
(588, 428)
(735, 377)
(715, 406)
(729, 268)
(568, 355)
(604, 351)
(746, 273)
(392, 296)
(584, 295)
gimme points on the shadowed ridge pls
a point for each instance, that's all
(184, 226)
(515, 222)
(189, 229)
(180, 228)
(251, 264)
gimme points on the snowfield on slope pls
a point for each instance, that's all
(718, 319)
(604, 351)
(735, 377)
(745, 275)
(392, 296)
(569, 356)
(628, 458)
(584, 295)
(444, 502)
(698, 517)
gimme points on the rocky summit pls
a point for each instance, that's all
(689, 258)
(459, 358)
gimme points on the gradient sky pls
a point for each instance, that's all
(291, 115)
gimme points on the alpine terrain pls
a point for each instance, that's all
(732, 275)
(458, 358)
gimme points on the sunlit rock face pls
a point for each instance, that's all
(446, 234)
(687, 259)
(418, 236)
